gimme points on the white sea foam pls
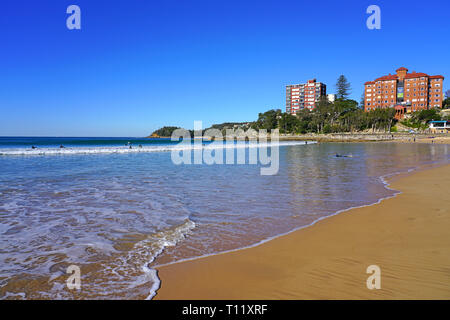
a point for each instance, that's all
(168, 239)
(124, 276)
(144, 149)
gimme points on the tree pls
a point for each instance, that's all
(423, 116)
(268, 120)
(419, 119)
(361, 103)
(164, 131)
(304, 121)
(288, 123)
(343, 88)
(381, 119)
(446, 102)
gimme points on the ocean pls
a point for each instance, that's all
(117, 212)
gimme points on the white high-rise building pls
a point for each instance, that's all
(331, 97)
(304, 96)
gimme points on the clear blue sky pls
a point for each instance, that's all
(138, 65)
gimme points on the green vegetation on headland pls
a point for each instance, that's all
(328, 117)
(166, 132)
(419, 119)
(342, 116)
(163, 132)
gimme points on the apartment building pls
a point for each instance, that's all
(301, 96)
(411, 91)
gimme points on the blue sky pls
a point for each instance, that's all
(138, 65)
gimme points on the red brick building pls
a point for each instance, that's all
(412, 91)
(301, 96)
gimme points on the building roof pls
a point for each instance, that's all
(437, 77)
(402, 69)
(388, 77)
(411, 75)
(415, 75)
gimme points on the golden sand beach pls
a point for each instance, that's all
(407, 236)
(430, 139)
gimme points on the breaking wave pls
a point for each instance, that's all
(144, 149)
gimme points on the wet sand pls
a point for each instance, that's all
(430, 139)
(407, 236)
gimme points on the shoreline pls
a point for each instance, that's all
(357, 137)
(371, 137)
(201, 278)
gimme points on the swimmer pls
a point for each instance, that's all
(343, 156)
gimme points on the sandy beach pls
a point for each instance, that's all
(403, 137)
(442, 139)
(407, 236)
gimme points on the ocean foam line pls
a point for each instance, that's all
(382, 179)
(178, 234)
(126, 150)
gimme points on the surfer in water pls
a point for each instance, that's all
(343, 156)
(61, 147)
(33, 147)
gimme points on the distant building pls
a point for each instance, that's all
(301, 96)
(410, 91)
(331, 97)
(440, 126)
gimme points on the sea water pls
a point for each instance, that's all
(117, 213)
